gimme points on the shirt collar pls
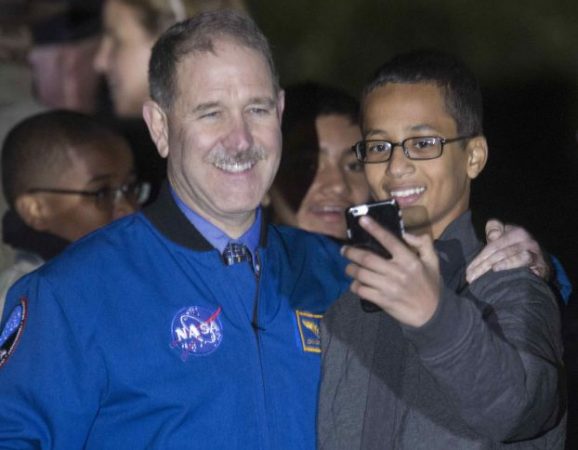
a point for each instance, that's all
(214, 235)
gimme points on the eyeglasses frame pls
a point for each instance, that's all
(121, 189)
(443, 142)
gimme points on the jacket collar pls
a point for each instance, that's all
(169, 220)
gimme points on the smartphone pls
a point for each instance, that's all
(388, 215)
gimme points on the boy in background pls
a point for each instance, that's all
(63, 175)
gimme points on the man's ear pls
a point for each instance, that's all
(280, 104)
(156, 120)
(33, 210)
(477, 150)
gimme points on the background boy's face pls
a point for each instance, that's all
(93, 168)
(431, 193)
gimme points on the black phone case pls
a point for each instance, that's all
(388, 215)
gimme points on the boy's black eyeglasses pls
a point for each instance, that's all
(419, 148)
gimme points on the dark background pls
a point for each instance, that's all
(526, 57)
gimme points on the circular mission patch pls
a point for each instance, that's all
(197, 331)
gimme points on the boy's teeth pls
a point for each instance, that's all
(407, 192)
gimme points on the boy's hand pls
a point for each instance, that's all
(405, 286)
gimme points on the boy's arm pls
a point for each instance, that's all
(497, 353)
(498, 358)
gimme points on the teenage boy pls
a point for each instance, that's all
(444, 364)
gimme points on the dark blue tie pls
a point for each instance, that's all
(235, 253)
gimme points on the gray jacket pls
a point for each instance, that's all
(483, 373)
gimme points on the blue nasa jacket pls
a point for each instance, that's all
(137, 337)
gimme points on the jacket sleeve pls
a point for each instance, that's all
(50, 379)
(496, 351)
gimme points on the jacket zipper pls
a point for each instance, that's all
(257, 329)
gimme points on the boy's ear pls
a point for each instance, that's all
(477, 150)
(156, 120)
(33, 210)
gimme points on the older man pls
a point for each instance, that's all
(191, 323)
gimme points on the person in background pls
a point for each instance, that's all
(131, 27)
(443, 363)
(63, 47)
(17, 100)
(319, 175)
(45, 54)
(64, 175)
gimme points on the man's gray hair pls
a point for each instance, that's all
(198, 34)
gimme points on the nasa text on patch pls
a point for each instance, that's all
(12, 331)
(309, 330)
(196, 331)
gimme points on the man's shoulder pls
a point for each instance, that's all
(307, 252)
(125, 230)
(101, 249)
(86, 267)
(306, 265)
(305, 241)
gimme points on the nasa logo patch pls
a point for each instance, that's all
(309, 330)
(196, 331)
(12, 331)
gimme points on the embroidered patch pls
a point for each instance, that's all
(196, 331)
(12, 331)
(309, 330)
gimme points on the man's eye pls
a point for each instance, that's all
(259, 111)
(209, 115)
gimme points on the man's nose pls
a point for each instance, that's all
(240, 135)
